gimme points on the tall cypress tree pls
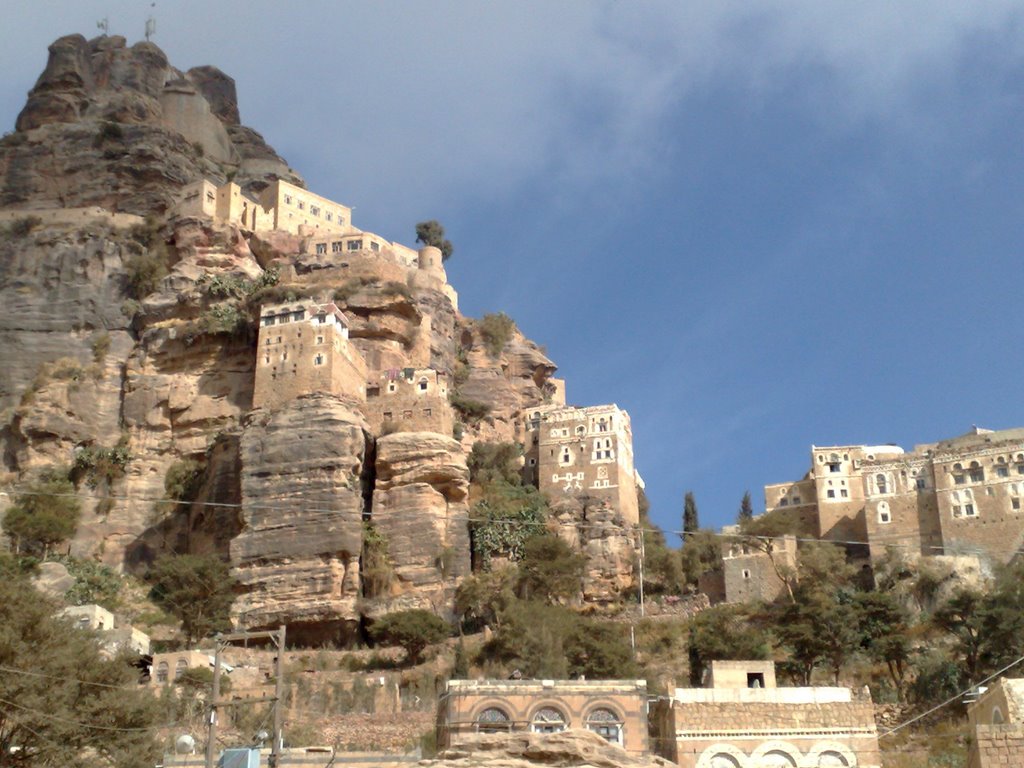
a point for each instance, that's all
(690, 522)
(746, 513)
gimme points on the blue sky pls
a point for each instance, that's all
(754, 225)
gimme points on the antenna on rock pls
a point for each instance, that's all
(150, 24)
(104, 25)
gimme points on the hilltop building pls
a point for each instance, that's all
(748, 574)
(303, 347)
(997, 721)
(960, 496)
(742, 718)
(409, 400)
(574, 452)
(614, 709)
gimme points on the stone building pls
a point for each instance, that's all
(997, 723)
(573, 452)
(303, 347)
(614, 709)
(750, 575)
(960, 496)
(113, 638)
(741, 719)
(282, 206)
(168, 667)
(409, 400)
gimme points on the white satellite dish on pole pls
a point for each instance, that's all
(185, 745)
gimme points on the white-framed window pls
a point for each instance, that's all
(287, 199)
(963, 504)
(355, 245)
(548, 720)
(884, 514)
(606, 724)
(318, 360)
(321, 249)
(976, 473)
(493, 719)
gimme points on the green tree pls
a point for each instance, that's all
(413, 630)
(504, 518)
(662, 566)
(57, 690)
(482, 597)
(491, 462)
(963, 618)
(198, 589)
(724, 632)
(818, 627)
(549, 569)
(884, 624)
(702, 552)
(746, 510)
(44, 515)
(691, 522)
(432, 233)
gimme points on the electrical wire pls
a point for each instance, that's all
(68, 721)
(11, 670)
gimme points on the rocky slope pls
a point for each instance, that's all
(130, 337)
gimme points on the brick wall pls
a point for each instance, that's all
(997, 746)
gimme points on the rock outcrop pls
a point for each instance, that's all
(132, 326)
(297, 556)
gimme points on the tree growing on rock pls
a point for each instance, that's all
(550, 570)
(198, 589)
(432, 233)
(44, 515)
(413, 630)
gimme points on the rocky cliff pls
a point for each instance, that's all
(131, 349)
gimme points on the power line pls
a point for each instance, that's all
(57, 718)
(67, 679)
(951, 699)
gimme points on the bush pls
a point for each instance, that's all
(472, 410)
(375, 565)
(94, 583)
(488, 462)
(496, 331)
(413, 630)
(100, 347)
(23, 227)
(98, 465)
(143, 273)
(109, 132)
(504, 520)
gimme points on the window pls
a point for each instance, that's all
(287, 199)
(314, 210)
(963, 504)
(1002, 471)
(179, 667)
(783, 502)
(355, 245)
(746, 573)
(321, 249)
(299, 315)
(843, 493)
(423, 385)
(336, 246)
(884, 515)
(493, 719)
(548, 720)
(320, 340)
(374, 246)
(834, 466)
(269, 320)
(406, 414)
(921, 484)
(605, 724)
(318, 360)
(329, 216)
(161, 672)
(341, 219)
(1015, 504)
(959, 479)
(830, 493)
(566, 457)
(302, 206)
(976, 473)
(881, 484)
(387, 415)
(796, 499)
(755, 679)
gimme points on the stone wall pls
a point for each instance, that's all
(997, 746)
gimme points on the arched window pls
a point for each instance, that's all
(832, 759)
(161, 672)
(179, 667)
(881, 483)
(997, 716)
(493, 719)
(548, 720)
(605, 724)
(722, 760)
(777, 759)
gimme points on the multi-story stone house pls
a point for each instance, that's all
(960, 496)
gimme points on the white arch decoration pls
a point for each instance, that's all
(819, 753)
(726, 751)
(777, 753)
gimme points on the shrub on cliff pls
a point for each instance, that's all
(432, 233)
(413, 630)
(143, 273)
(496, 331)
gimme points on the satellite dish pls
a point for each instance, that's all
(185, 745)
(261, 736)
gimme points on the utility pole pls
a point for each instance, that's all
(275, 749)
(278, 638)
